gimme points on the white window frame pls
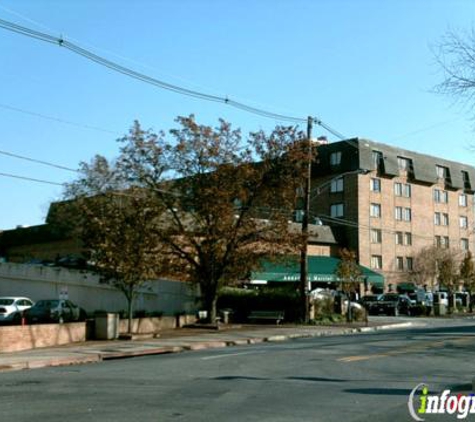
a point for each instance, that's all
(445, 219)
(464, 244)
(376, 236)
(408, 238)
(397, 189)
(399, 236)
(463, 200)
(463, 222)
(376, 262)
(399, 263)
(375, 184)
(337, 210)
(337, 185)
(335, 158)
(375, 210)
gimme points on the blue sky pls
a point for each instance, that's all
(364, 67)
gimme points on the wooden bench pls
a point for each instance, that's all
(276, 316)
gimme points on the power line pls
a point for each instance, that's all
(31, 179)
(56, 119)
(10, 26)
(34, 160)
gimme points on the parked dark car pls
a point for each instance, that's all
(55, 310)
(391, 304)
(368, 300)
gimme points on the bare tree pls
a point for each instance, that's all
(467, 275)
(425, 267)
(216, 203)
(448, 274)
(455, 55)
(349, 272)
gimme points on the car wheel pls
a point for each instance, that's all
(82, 315)
(16, 319)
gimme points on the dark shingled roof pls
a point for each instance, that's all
(357, 154)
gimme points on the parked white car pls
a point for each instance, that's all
(11, 308)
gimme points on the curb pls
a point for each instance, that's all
(112, 355)
(44, 363)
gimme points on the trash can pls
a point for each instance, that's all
(106, 326)
(225, 315)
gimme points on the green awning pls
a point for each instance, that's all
(320, 268)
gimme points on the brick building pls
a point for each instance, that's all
(387, 203)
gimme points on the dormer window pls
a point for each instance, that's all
(404, 164)
(466, 179)
(442, 172)
(377, 157)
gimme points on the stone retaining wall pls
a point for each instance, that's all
(16, 338)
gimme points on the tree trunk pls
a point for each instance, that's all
(348, 310)
(130, 305)
(210, 305)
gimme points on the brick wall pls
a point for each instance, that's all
(16, 338)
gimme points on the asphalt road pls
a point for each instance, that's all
(345, 378)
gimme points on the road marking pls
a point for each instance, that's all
(230, 354)
(416, 347)
(362, 357)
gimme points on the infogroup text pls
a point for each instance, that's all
(421, 403)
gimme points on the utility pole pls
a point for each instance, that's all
(304, 288)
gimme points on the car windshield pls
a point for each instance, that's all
(47, 303)
(6, 302)
(389, 297)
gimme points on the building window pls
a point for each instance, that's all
(398, 189)
(402, 189)
(376, 236)
(402, 214)
(464, 244)
(463, 200)
(441, 196)
(466, 179)
(375, 185)
(399, 238)
(399, 263)
(336, 185)
(442, 172)
(377, 158)
(404, 164)
(463, 221)
(335, 158)
(403, 238)
(409, 263)
(337, 210)
(445, 219)
(437, 220)
(376, 262)
(375, 210)
(442, 241)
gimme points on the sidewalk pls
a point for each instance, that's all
(173, 341)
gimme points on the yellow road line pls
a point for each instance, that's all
(416, 347)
